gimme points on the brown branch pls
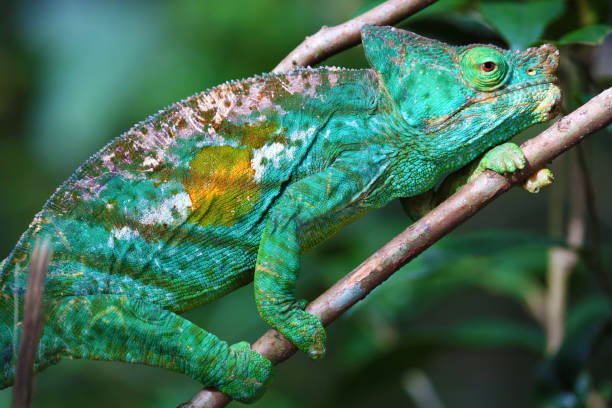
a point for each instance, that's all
(331, 40)
(32, 325)
(540, 150)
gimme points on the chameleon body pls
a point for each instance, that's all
(233, 184)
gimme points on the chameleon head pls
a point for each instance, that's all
(465, 92)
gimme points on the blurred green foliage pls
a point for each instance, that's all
(534, 17)
(74, 74)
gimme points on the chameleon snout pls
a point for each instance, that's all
(544, 67)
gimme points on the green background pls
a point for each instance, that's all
(452, 329)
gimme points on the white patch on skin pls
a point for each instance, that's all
(290, 153)
(272, 153)
(295, 84)
(125, 233)
(108, 157)
(164, 212)
(153, 140)
(89, 187)
(302, 134)
(149, 162)
(333, 79)
(315, 81)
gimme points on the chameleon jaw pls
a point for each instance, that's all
(545, 110)
(551, 105)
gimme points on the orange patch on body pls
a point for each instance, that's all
(220, 185)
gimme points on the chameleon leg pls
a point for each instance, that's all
(110, 327)
(306, 204)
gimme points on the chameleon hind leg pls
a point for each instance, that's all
(111, 327)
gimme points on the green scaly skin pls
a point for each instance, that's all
(234, 184)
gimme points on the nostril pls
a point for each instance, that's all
(531, 71)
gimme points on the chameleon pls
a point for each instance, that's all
(233, 184)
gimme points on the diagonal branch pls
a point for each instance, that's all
(331, 40)
(540, 150)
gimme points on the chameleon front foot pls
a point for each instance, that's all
(508, 158)
(505, 158)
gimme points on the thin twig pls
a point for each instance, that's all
(32, 325)
(331, 40)
(540, 150)
(595, 259)
(562, 261)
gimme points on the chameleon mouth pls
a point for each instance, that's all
(551, 105)
(547, 108)
(509, 90)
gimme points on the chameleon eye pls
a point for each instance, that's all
(484, 68)
(488, 66)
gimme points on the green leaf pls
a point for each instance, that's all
(591, 35)
(522, 24)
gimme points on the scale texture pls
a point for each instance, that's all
(233, 184)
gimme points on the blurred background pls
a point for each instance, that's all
(510, 310)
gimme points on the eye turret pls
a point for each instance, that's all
(484, 68)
